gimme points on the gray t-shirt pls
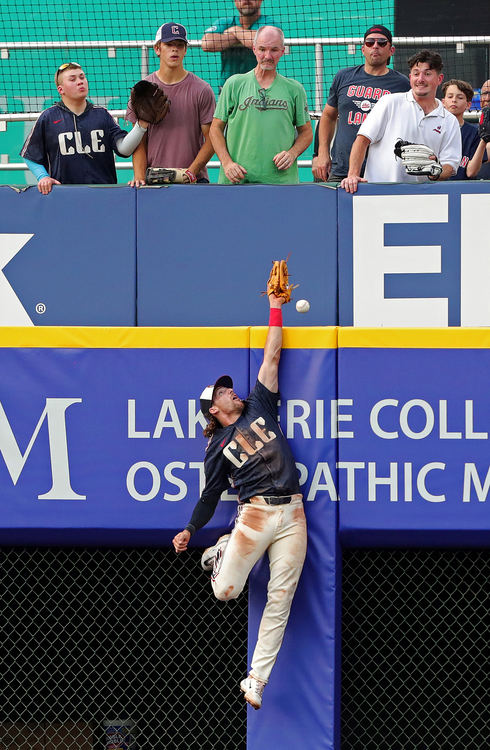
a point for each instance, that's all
(177, 139)
(354, 93)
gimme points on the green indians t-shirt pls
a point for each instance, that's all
(260, 124)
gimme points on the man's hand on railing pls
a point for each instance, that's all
(45, 184)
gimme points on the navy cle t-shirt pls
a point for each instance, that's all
(75, 149)
(253, 452)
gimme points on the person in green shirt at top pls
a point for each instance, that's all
(233, 36)
(266, 119)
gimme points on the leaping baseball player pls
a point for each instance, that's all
(247, 445)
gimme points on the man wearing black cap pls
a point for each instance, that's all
(353, 93)
(246, 445)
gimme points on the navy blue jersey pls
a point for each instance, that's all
(484, 173)
(353, 94)
(252, 452)
(470, 140)
(75, 149)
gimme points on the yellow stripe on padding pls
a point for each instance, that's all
(124, 338)
(241, 337)
(414, 338)
(316, 337)
(95, 337)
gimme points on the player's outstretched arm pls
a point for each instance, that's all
(269, 369)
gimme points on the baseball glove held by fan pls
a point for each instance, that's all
(418, 160)
(278, 283)
(149, 102)
(169, 175)
(484, 125)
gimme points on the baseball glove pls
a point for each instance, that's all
(278, 283)
(417, 159)
(484, 125)
(149, 102)
(167, 175)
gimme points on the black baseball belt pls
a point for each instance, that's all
(271, 500)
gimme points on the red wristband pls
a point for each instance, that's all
(275, 317)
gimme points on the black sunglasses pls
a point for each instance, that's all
(64, 66)
(372, 42)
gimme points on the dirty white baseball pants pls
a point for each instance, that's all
(281, 530)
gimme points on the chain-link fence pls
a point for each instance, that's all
(124, 636)
(415, 650)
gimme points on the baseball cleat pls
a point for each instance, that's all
(253, 690)
(209, 554)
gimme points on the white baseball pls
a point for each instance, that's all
(302, 305)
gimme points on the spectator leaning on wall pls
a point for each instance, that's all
(181, 139)
(266, 119)
(457, 97)
(417, 117)
(233, 37)
(73, 141)
(353, 93)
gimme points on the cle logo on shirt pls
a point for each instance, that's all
(233, 451)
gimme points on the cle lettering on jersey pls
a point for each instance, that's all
(71, 143)
(244, 445)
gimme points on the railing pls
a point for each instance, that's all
(319, 43)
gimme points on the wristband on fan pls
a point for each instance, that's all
(192, 177)
(275, 317)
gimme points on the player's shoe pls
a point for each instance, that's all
(209, 554)
(253, 690)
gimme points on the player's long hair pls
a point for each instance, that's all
(211, 427)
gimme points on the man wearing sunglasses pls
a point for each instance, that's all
(266, 119)
(353, 93)
(73, 142)
(416, 117)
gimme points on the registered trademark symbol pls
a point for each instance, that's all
(40, 308)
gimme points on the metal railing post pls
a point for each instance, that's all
(318, 77)
(145, 61)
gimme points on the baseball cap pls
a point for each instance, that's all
(206, 397)
(380, 30)
(170, 31)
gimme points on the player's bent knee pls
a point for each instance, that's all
(226, 592)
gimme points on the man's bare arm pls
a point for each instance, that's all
(357, 155)
(212, 42)
(140, 161)
(285, 159)
(205, 152)
(322, 163)
(234, 172)
(447, 172)
(474, 164)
